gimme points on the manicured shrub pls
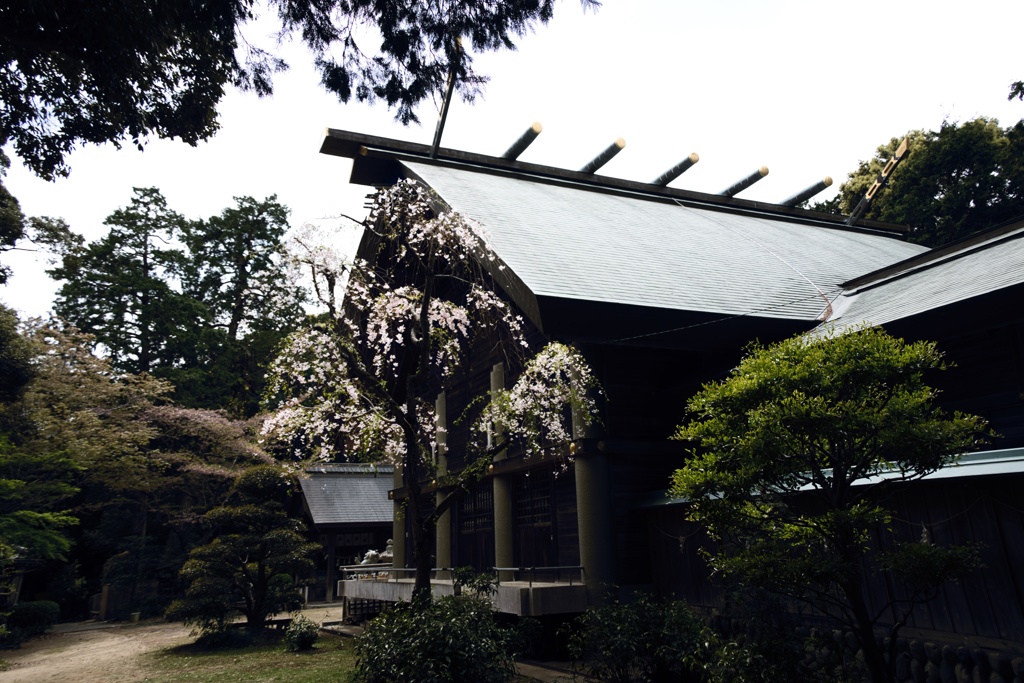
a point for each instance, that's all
(642, 640)
(453, 639)
(302, 634)
(249, 565)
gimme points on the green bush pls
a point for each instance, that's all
(468, 580)
(741, 661)
(207, 613)
(249, 565)
(453, 639)
(642, 640)
(757, 640)
(28, 619)
(302, 634)
(229, 639)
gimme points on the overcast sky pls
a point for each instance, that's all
(806, 88)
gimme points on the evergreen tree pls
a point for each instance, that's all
(252, 560)
(200, 303)
(236, 269)
(120, 289)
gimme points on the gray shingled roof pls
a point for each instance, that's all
(572, 243)
(347, 497)
(976, 269)
(352, 468)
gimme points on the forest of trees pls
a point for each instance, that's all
(181, 356)
(128, 415)
(128, 418)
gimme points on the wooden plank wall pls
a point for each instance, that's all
(985, 607)
(988, 511)
(646, 389)
(986, 376)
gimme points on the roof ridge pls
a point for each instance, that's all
(367, 149)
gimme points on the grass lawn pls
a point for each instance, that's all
(331, 660)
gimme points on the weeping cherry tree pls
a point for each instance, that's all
(417, 308)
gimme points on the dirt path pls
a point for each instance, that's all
(112, 653)
(94, 654)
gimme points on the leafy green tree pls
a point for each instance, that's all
(120, 288)
(15, 358)
(146, 470)
(79, 406)
(33, 489)
(957, 180)
(200, 303)
(794, 455)
(236, 268)
(252, 560)
(106, 71)
(12, 220)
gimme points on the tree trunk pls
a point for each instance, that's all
(423, 547)
(238, 290)
(256, 598)
(874, 658)
(419, 520)
(144, 514)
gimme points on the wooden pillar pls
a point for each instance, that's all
(503, 525)
(332, 565)
(594, 514)
(443, 534)
(398, 525)
(593, 510)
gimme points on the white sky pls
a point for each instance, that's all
(806, 88)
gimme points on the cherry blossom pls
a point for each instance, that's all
(420, 307)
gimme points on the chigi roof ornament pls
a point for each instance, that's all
(605, 156)
(377, 162)
(804, 195)
(524, 141)
(735, 189)
(677, 170)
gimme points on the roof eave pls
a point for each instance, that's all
(984, 239)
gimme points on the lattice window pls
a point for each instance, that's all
(531, 498)
(476, 509)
